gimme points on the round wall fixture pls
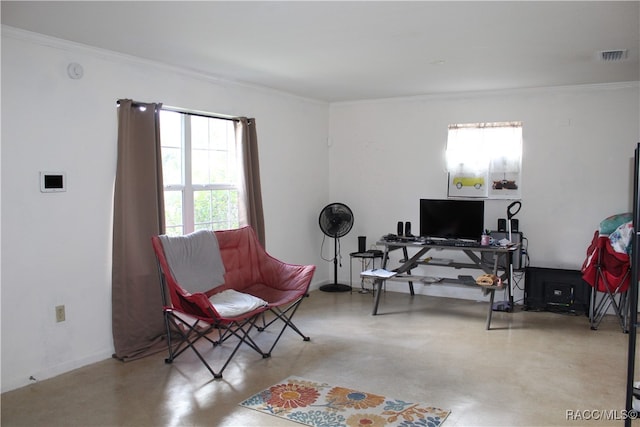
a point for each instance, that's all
(75, 70)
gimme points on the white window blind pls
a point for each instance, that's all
(484, 159)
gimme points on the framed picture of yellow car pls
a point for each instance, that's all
(468, 184)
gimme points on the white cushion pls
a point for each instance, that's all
(230, 303)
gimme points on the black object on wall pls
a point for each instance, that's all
(556, 290)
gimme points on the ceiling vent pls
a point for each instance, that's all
(612, 55)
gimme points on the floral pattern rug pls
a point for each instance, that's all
(320, 404)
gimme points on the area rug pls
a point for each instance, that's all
(320, 404)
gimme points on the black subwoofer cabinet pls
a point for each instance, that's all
(558, 290)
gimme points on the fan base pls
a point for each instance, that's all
(335, 287)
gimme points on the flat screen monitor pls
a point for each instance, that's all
(452, 219)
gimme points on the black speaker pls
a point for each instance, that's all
(362, 244)
(407, 228)
(502, 224)
(400, 229)
(515, 224)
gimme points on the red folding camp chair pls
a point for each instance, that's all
(193, 262)
(608, 272)
(218, 263)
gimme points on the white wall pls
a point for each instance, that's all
(578, 143)
(383, 156)
(56, 248)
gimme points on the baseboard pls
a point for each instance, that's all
(9, 383)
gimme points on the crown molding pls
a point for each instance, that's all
(109, 55)
(69, 46)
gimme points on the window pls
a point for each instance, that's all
(484, 160)
(200, 171)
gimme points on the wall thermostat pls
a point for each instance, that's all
(53, 182)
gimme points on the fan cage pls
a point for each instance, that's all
(336, 220)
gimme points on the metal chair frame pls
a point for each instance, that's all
(205, 320)
(282, 308)
(613, 294)
(282, 314)
(610, 297)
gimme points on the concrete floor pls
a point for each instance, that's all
(529, 370)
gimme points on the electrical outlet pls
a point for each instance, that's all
(60, 315)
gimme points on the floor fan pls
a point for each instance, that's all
(336, 220)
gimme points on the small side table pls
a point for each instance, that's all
(364, 258)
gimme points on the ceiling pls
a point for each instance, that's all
(342, 51)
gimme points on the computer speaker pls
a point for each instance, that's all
(400, 228)
(407, 228)
(362, 244)
(502, 224)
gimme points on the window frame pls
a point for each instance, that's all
(188, 189)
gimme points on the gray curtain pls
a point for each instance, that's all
(137, 319)
(247, 138)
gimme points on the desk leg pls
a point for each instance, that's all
(406, 257)
(378, 284)
(493, 293)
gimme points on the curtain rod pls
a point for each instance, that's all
(200, 113)
(485, 125)
(190, 112)
(137, 103)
